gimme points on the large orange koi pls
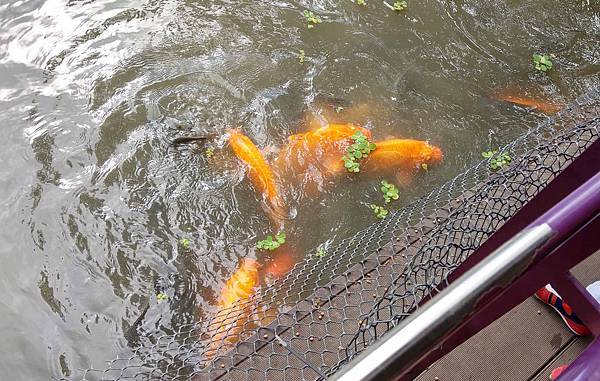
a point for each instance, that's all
(261, 174)
(320, 148)
(234, 307)
(536, 104)
(403, 156)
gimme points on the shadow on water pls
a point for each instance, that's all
(96, 202)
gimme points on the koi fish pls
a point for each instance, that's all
(261, 174)
(536, 104)
(310, 148)
(316, 155)
(403, 156)
(234, 307)
(331, 110)
(281, 263)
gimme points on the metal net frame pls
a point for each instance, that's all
(328, 309)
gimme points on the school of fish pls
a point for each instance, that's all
(310, 160)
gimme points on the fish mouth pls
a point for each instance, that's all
(436, 154)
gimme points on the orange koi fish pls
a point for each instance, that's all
(261, 174)
(234, 306)
(281, 263)
(403, 156)
(536, 104)
(317, 147)
(316, 155)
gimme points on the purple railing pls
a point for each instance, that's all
(566, 217)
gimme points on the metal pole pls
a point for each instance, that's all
(419, 333)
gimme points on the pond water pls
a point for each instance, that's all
(95, 200)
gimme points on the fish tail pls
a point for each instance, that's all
(277, 210)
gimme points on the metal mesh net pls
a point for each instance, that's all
(328, 309)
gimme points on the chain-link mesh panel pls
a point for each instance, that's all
(328, 309)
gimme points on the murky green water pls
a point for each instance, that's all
(94, 200)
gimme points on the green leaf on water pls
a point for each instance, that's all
(379, 211)
(270, 243)
(497, 160)
(185, 243)
(390, 191)
(301, 56)
(311, 19)
(358, 150)
(400, 5)
(161, 297)
(542, 62)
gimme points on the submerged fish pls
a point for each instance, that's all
(543, 106)
(240, 286)
(282, 262)
(234, 307)
(402, 156)
(320, 148)
(191, 139)
(330, 110)
(261, 174)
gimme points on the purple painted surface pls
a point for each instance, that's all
(586, 367)
(499, 301)
(576, 219)
(580, 205)
(582, 302)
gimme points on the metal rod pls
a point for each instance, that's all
(417, 335)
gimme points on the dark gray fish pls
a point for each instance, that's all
(191, 139)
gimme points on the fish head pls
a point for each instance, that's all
(428, 154)
(250, 264)
(435, 155)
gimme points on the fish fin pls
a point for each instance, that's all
(278, 212)
(404, 178)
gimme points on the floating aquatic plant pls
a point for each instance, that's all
(380, 211)
(311, 19)
(301, 56)
(361, 2)
(542, 62)
(161, 297)
(360, 149)
(497, 161)
(185, 243)
(271, 243)
(400, 5)
(209, 152)
(390, 192)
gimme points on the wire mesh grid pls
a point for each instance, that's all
(328, 309)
